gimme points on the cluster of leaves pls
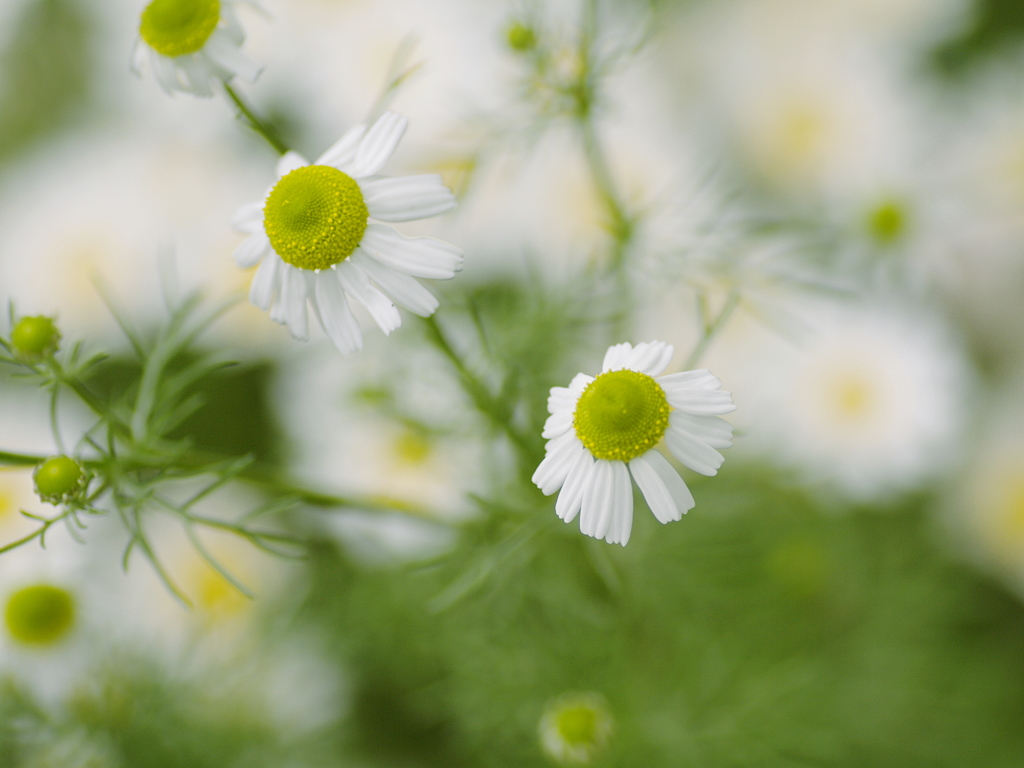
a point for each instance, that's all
(136, 458)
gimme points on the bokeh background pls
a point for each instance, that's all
(847, 174)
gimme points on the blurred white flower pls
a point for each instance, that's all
(600, 426)
(575, 727)
(872, 401)
(190, 45)
(313, 240)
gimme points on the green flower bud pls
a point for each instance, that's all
(521, 38)
(59, 479)
(34, 338)
(40, 614)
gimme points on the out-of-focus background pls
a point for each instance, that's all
(849, 174)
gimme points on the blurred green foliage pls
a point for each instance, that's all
(995, 26)
(46, 73)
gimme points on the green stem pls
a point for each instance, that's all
(496, 411)
(255, 474)
(9, 459)
(254, 121)
(620, 223)
(710, 331)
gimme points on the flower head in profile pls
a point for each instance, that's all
(191, 44)
(316, 245)
(604, 429)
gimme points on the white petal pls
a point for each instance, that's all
(138, 59)
(616, 356)
(266, 284)
(712, 430)
(561, 399)
(196, 73)
(343, 150)
(621, 524)
(598, 500)
(567, 506)
(650, 357)
(337, 319)
(357, 284)
(164, 72)
(691, 451)
(557, 443)
(405, 198)
(251, 251)
(249, 218)
(662, 487)
(232, 26)
(700, 402)
(556, 424)
(289, 162)
(225, 53)
(702, 378)
(553, 471)
(578, 384)
(378, 145)
(403, 290)
(293, 297)
(416, 256)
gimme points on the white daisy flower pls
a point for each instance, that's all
(314, 241)
(600, 426)
(191, 44)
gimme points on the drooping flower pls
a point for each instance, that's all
(314, 240)
(191, 44)
(604, 429)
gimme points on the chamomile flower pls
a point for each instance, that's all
(191, 44)
(601, 426)
(314, 241)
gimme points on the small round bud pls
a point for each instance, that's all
(34, 338)
(59, 479)
(40, 614)
(521, 38)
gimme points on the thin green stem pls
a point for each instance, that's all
(9, 459)
(711, 330)
(498, 413)
(620, 224)
(260, 126)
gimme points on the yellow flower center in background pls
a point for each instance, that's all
(621, 415)
(852, 397)
(315, 217)
(179, 27)
(40, 614)
(887, 222)
(578, 725)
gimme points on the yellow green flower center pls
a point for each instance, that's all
(621, 415)
(179, 27)
(40, 614)
(578, 725)
(315, 217)
(35, 337)
(887, 222)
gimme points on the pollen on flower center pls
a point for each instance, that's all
(315, 217)
(621, 415)
(179, 27)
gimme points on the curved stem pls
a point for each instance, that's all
(712, 329)
(254, 121)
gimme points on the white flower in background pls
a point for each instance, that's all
(600, 426)
(192, 44)
(575, 727)
(870, 403)
(314, 241)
